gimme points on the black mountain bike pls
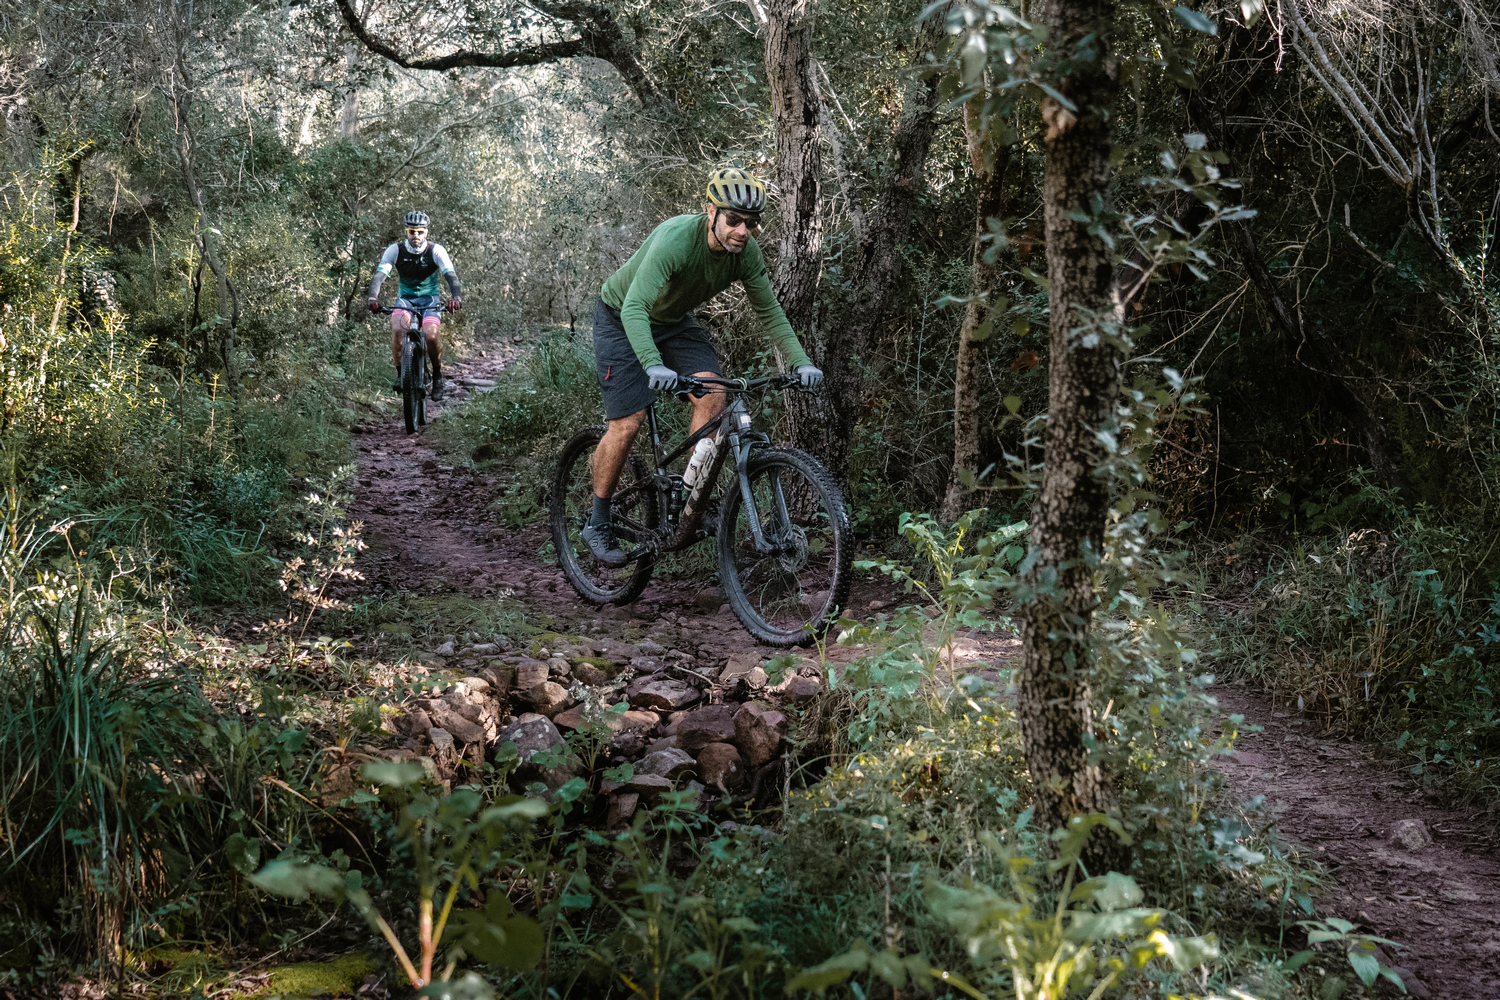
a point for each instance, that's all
(415, 379)
(784, 540)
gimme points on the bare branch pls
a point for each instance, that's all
(530, 56)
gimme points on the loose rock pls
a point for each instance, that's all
(1410, 835)
(548, 698)
(720, 766)
(589, 674)
(758, 732)
(413, 722)
(670, 763)
(531, 734)
(475, 685)
(442, 742)
(462, 729)
(661, 693)
(446, 649)
(530, 673)
(702, 726)
(621, 808)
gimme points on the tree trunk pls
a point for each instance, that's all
(826, 428)
(797, 105)
(349, 116)
(988, 160)
(178, 88)
(1057, 603)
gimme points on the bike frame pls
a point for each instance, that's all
(739, 441)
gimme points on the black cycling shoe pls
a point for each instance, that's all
(396, 386)
(601, 542)
(437, 390)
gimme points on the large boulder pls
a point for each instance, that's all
(702, 726)
(758, 732)
(720, 766)
(660, 692)
(671, 763)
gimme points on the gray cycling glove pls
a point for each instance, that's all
(811, 375)
(662, 378)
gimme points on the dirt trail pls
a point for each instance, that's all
(1334, 799)
(432, 528)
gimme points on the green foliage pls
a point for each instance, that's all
(1391, 630)
(452, 838)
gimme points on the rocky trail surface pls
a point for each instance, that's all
(1402, 867)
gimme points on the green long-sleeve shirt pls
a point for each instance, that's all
(674, 272)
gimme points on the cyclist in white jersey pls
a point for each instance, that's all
(419, 264)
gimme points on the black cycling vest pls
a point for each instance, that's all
(414, 268)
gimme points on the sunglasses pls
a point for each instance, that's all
(733, 221)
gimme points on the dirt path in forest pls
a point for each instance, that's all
(432, 528)
(1437, 895)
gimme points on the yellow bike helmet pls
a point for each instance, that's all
(733, 188)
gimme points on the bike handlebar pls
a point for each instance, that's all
(782, 380)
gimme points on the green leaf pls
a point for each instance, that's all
(497, 937)
(984, 331)
(528, 809)
(297, 880)
(242, 853)
(832, 972)
(1366, 966)
(1088, 927)
(1187, 953)
(1198, 22)
(396, 774)
(889, 966)
(572, 790)
(1298, 960)
(1112, 891)
(1021, 327)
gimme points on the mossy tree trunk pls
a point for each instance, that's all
(1057, 601)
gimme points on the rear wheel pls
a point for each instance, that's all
(636, 513)
(789, 593)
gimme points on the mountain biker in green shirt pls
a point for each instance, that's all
(419, 264)
(645, 331)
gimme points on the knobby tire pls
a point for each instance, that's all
(789, 599)
(571, 504)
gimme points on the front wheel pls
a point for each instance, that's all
(789, 591)
(411, 387)
(634, 509)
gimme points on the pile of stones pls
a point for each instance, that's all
(711, 726)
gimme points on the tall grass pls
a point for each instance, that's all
(1387, 624)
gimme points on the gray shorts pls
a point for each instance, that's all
(427, 305)
(685, 348)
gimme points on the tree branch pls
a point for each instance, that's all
(532, 56)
